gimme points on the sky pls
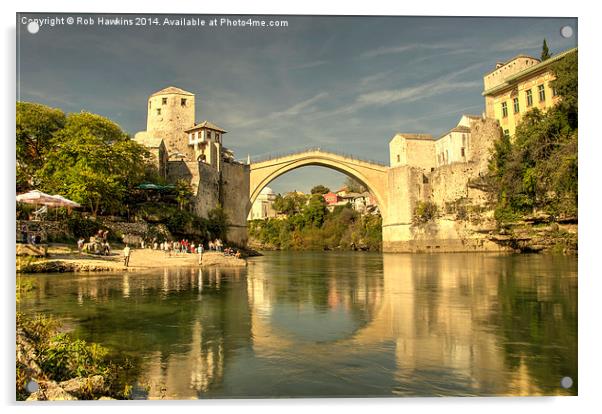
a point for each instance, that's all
(346, 84)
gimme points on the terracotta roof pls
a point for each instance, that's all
(172, 90)
(207, 125)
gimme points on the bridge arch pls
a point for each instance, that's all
(372, 175)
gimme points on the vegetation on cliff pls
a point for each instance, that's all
(91, 160)
(308, 225)
(536, 170)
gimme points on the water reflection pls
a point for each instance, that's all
(336, 324)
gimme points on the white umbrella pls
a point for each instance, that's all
(65, 202)
(36, 197)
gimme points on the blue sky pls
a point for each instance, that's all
(343, 83)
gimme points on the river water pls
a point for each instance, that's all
(307, 324)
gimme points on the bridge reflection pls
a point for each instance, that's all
(462, 324)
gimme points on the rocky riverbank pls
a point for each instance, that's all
(39, 378)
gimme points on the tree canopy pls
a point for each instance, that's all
(93, 162)
(36, 125)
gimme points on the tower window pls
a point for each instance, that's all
(462, 152)
(398, 158)
(164, 101)
(183, 102)
(208, 134)
(158, 111)
(516, 107)
(504, 109)
(217, 137)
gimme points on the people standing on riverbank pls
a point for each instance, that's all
(80, 245)
(126, 255)
(200, 250)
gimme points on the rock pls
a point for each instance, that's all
(50, 391)
(84, 387)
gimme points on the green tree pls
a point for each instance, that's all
(93, 162)
(35, 127)
(537, 168)
(315, 211)
(320, 189)
(289, 204)
(218, 223)
(566, 86)
(545, 52)
(183, 194)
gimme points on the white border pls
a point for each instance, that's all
(589, 156)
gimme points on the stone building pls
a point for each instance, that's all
(185, 150)
(517, 86)
(413, 150)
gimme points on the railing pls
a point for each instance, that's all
(275, 155)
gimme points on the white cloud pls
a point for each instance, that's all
(393, 50)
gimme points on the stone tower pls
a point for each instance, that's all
(170, 113)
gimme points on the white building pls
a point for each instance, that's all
(263, 207)
(454, 145)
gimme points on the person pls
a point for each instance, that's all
(106, 248)
(80, 245)
(200, 250)
(105, 236)
(210, 245)
(237, 255)
(23, 233)
(126, 255)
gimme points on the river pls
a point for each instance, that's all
(304, 324)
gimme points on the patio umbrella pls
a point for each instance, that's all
(65, 202)
(37, 197)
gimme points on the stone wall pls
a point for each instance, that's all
(207, 190)
(234, 195)
(449, 183)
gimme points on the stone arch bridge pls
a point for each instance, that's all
(395, 189)
(371, 174)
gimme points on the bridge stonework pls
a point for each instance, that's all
(395, 189)
(398, 189)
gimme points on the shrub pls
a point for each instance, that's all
(424, 212)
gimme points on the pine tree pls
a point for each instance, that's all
(545, 52)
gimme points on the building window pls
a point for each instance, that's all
(164, 101)
(208, 134)
(516, 107)
(398, 158)
(542, 93)
(554, 92)
(217, 137)
(462, 152)
(529, 98)
(504, 110)
(183, 102)
(158, 111)
(506, 133)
